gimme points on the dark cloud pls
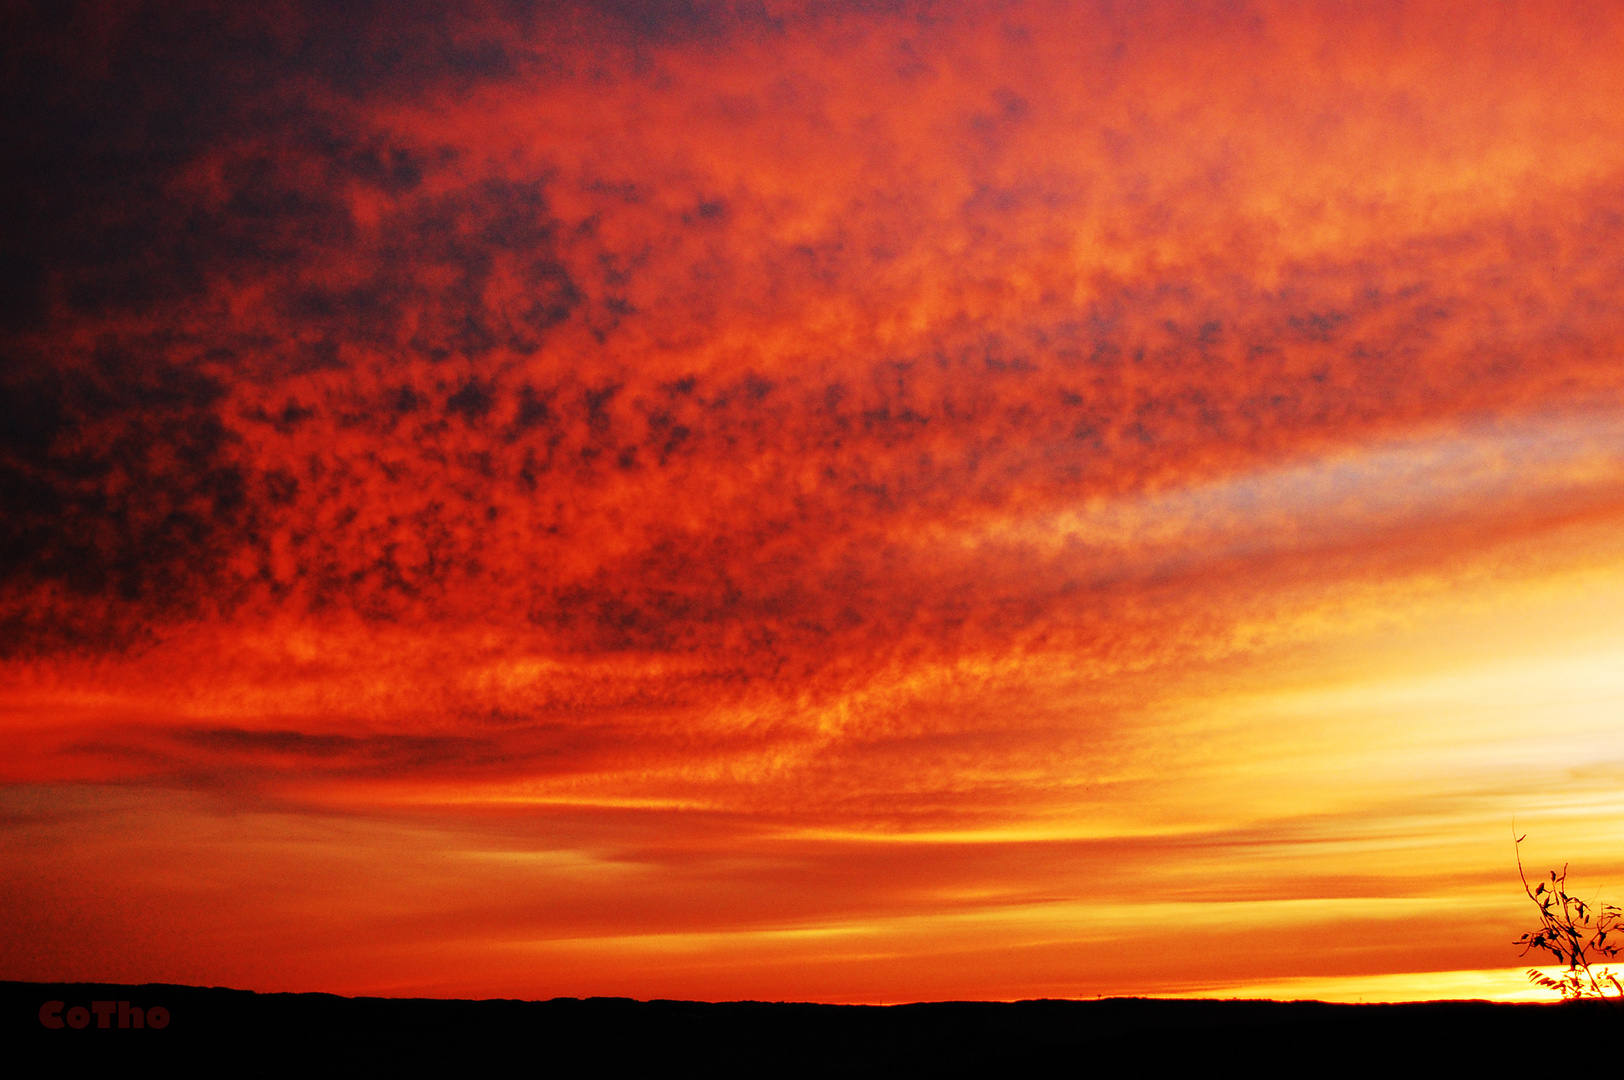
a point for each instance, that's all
(345, 311)
(366, 754)
(121, 494)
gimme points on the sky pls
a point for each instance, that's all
(854, 502)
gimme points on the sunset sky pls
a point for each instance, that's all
(856, 502)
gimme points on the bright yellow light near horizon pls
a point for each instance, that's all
(1499, 679)
(1485, 984)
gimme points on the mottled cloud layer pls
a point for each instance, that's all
(842, 418)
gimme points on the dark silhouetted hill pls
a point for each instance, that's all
(220, 1032)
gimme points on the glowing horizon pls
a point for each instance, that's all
(809, 502)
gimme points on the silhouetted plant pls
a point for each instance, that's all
(1576, 934)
